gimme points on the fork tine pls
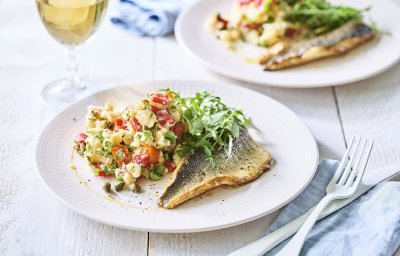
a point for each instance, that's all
(355, 167)
(339, 170)
(349, 164)
(361, 172)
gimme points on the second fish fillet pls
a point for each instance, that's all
(337, 42)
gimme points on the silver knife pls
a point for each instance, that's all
(266, 243)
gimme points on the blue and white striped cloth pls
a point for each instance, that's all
(148, 17)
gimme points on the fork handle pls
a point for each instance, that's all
(294, 246)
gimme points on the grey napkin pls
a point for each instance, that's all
(369, 225)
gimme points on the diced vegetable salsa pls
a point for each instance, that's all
(139, 141)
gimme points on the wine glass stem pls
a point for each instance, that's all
(73, 61)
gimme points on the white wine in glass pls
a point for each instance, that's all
(70, 22)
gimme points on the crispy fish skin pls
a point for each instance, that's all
(337, 42)
(195, 175)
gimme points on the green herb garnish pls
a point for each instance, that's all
(120, 154)
(212, 125)
(99, 136)
(320, 15)
(106, 170)
(107, 145)
(96, 171)
(170, 136)
(148, 135)
(132, 149)
(111, 167)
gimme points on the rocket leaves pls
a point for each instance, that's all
(211, 124)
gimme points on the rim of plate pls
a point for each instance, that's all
(234, 75)
(182, 230)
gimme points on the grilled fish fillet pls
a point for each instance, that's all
(195, 175)
(337, 42)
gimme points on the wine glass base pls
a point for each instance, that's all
(61, 93)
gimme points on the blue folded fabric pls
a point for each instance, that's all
(148, 17)
(370, 225)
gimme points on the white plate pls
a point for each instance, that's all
(367, 60)
(290, 142)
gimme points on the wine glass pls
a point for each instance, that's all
(70, 22)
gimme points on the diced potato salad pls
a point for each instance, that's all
(258, 22)
(137, 142)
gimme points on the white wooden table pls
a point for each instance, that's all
(33, 222)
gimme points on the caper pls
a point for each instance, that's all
(135, 188)
(107, 187)
(119, 186)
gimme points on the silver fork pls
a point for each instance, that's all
(343, 185)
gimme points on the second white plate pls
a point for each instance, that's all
(290, 142)
(366, 61)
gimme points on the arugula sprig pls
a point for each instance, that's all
(320, 15)
(212, 125)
